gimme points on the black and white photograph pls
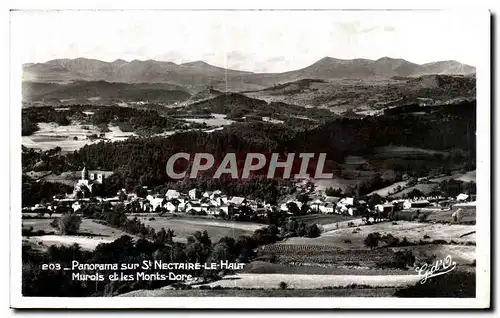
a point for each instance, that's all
(302, 158)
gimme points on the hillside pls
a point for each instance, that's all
(103, 91)
(371, 93)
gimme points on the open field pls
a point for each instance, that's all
(383, 192)
(90, 233)
(68, 177)
(469, 215)
(51, 135)
(296, 281)
(324, 219)
(88, 243)
(463, 255)
(413, 231)
(260, 267)
(401, 151)
(465, 177)
(334, 183)
(184, 227)
(216, 120)
(340, 292)
(425, 188)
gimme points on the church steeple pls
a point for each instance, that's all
(85, 173)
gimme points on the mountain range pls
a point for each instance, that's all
(194, 75)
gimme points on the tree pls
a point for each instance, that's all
(372, 240)
(293, 208)
(333, 192)
(283, 285)
(222, 214)
(122, 196)
(374, 200)
(415, 193)
(69, 223)
(313, 231)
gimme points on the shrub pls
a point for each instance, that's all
(350, 224)
(426, 237)
(347, 241)
(69, 223)
(372, 240)
(403, 259)
(390, 240)
(394, 223)
(313, 231)
(283, 285)
(55, 223)
(422, 217)
(351, 263)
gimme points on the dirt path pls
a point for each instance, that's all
(302, 281)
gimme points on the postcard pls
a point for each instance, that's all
(250, 159)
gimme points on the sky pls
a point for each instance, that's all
(257, 41)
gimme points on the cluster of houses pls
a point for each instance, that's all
(197, 202)
(216, 203)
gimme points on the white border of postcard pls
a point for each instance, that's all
(479, 18)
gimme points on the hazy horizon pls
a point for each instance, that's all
(252, 41)
(144, 60)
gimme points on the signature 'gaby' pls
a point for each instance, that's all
(441, 267)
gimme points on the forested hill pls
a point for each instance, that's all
(142, 160)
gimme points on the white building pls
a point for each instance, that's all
(172, 194)
(194, 194)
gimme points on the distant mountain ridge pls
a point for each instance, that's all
(197, 74)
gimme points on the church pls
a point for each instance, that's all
(88, 179)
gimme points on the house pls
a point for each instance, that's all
(215, 211)
(420, 203)
(207, 194)
(406, 204)
(182, 206)
(194, 194)
(386, 207)
(216, 201)
(225, 208)
(237, 201)
(316, 204)
(171, 207)
(172, 194)
(155, 201)
(112, 200)
(76, 206)
(344, 204)
(462, 197)
(347, 201)
(284, 206)
(216, 194)
(327, 208)
(352, 211)
(193, 206)
(261, 212)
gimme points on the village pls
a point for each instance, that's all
(218, 204)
